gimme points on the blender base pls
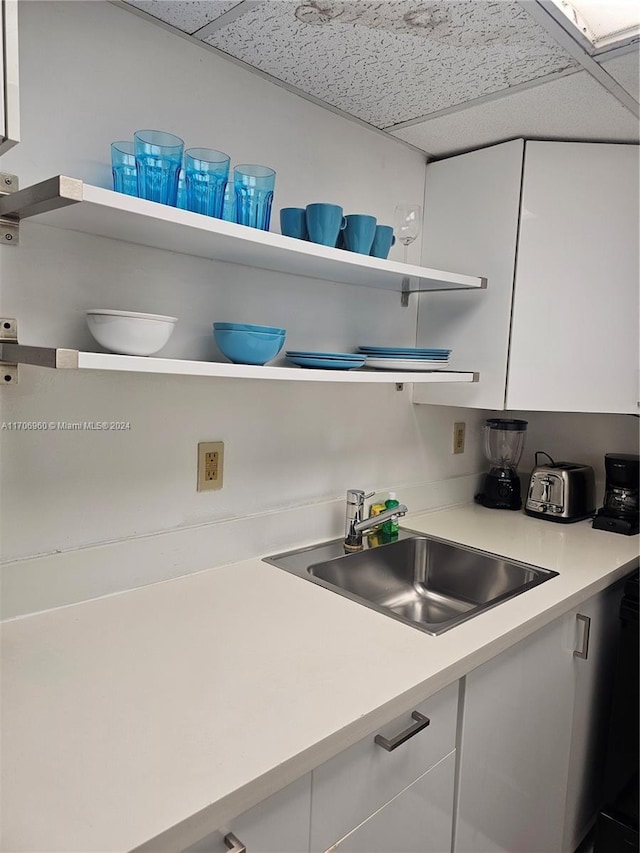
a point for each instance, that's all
(500, 493)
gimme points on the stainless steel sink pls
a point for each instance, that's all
(425, 582)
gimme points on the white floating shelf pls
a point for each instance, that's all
(70, 203)
(69, 359)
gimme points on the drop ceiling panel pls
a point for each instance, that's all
(389, 62)
(185, 15)
(573, 107)
(625, 70)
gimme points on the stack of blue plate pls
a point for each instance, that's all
(406, 358)
(326, 360)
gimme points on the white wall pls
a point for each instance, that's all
(92, 73)
(578, 437)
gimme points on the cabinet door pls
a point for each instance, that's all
(574, 339)
(9, 109)
(518, 712)
(594, 680)
(349, 788)
(534, 736)
(471, 225)
(280, 824)
(418, 820)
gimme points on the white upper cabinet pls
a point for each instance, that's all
(574, 340)
(471, 223)
(554, 228)
(9, 108)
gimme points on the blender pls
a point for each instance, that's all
(503, 446)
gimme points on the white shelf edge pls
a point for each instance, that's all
(182, 367)
(71, 359)
(69, 203)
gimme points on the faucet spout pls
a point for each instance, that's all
(388, 514)
(356, 525)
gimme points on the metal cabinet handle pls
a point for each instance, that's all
(421, 723)
(234, 844)
(584, 651)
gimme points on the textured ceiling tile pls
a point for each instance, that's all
(389, 62)
(626, 71)
(185, 15)
(573, 107)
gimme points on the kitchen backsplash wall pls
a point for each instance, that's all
(582, 438)
(287, 445)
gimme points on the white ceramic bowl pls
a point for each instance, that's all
(129, 333)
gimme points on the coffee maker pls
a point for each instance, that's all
(621, 510)
(503, 445)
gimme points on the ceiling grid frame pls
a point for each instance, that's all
(316, 14)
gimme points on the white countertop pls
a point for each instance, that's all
(153, 716)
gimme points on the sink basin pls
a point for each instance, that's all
(422, 581)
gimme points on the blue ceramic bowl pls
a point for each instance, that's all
(247, 347)
(249, 327)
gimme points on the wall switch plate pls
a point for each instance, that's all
(458, 437)
(210, 465)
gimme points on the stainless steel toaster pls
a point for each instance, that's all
(561, 491)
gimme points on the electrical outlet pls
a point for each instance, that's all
(458, 437)
(210, 464)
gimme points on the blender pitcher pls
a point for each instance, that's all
(503, 446)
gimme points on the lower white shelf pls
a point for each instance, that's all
(68, 359)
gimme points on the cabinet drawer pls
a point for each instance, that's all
(350, 787)
(279, 824)
(419, 820)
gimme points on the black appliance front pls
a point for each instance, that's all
(617, 824)
(621, 510)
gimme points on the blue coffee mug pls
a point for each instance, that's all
(383, 241)
(324, 223)
(359, 233)
(293, 222)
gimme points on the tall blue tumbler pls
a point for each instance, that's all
(158, 159)
(206, 174)
(253, 187)
(123, 168)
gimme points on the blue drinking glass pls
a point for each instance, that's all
(123, 168)
(158, 159)
(229, 206)
(181, 199)
(206, 174)
(253, 187)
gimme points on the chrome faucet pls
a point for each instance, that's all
(356, 525)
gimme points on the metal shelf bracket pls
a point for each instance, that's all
(52, 194)
(9, 228)
(406, 290)
(8, 335)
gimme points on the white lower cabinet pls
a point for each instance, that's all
(532, 736)
(400, 800)
(355, 785)
(279, 824)
(418, 820)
